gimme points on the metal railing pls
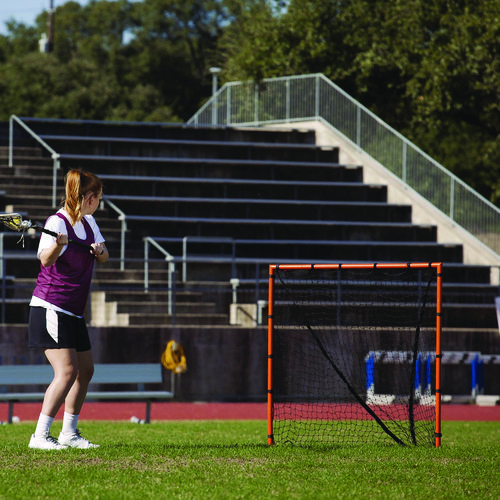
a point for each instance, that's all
(315, 98)
(123, 218)
(184, 259)
(171, 272)
(55, 156)
(56, 165)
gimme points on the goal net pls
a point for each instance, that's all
(354, 354)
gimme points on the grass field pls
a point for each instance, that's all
(230, 459)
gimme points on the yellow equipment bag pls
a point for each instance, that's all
(173, 357)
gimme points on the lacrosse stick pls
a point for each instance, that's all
(15, 221)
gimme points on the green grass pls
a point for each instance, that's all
(230, 459)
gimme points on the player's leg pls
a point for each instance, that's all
(70, 435)
(76, 396)
(64, 362)
(65, 365)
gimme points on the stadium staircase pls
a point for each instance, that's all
(243, 198)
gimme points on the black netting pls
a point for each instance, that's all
(352, 355)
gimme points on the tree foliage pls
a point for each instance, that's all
(112, 60)
(430, 68)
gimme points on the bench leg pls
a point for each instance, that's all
(148, 412)
(11, 412)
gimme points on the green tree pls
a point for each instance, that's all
(147, 60)
(20, 40)
(250, 47)
(174, 43)
(456, 94)
(427, 67)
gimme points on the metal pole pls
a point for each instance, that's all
(55, 169)
(403, 173)
(146, 265)
(452, 198)
(256, 104)
(215, 71)
(184, 259)
(11, 142)
(50, 41)
(122, 242)
(316, 98)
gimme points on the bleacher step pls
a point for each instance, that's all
(193, 180)
(180, 319)
(153, 308)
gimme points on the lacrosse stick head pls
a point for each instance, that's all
(14, 221)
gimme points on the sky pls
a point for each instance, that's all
(25, 11)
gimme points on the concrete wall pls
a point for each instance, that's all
(228, 364)
(224, 364)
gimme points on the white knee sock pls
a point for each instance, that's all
(69, 423)
(43, 425)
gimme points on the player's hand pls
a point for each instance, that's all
(98, 248)
(61, 239)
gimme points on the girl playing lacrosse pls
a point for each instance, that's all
(56, 320)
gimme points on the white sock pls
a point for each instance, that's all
(43, 425)
(69, 423)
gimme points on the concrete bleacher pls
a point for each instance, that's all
(275, 193)
(138, 130)
(305, 206)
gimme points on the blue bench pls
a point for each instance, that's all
(126, 373)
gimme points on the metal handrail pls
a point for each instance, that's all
(316, 98)
(184, 259)
(171, 272)
(55, 156)
(123, 218)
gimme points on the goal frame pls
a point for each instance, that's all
(413, 265)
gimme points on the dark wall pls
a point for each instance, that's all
(226, 364)
(229, 364)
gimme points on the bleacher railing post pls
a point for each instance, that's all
(403, 166)
(171, 288)
(171, 281)
(146, 265)
(256, 103)
(122, 243)
(123, 218)
(11, 142)
(55, 168)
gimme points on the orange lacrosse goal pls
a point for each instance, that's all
(354, 353)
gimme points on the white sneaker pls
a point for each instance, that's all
(46, 442)
(75, 441)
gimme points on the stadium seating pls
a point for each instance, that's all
(238, 199)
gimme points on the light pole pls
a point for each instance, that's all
(215, 71)
(50, 41)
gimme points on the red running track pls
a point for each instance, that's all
(216, 411)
